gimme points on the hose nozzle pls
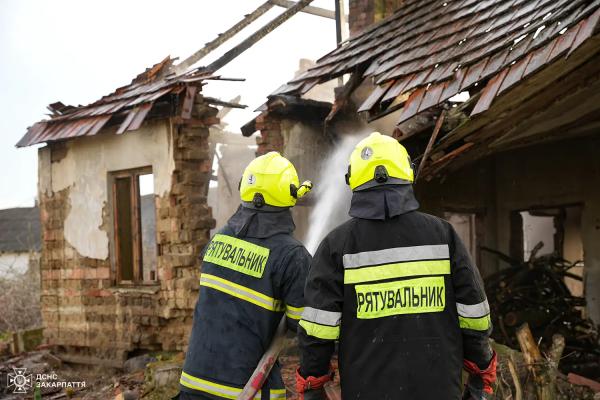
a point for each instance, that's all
(302, 190)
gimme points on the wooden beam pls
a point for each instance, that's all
(515, 111)
(256, 36)
(223, 37)
(318, 11)
(533, 86)
(432, 138)
(535, 363)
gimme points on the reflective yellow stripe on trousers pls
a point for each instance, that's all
(217, 389)
(241, 292)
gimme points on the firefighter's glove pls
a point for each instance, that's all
(311, 388)
(480, 382)
(304, 189)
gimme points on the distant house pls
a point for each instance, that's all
(20, 239)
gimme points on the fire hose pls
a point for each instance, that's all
(260, 374)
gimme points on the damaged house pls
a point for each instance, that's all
(498, 104)
(123, 187)
(122, 194)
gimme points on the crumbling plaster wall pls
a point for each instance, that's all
(87, 316)
(545, 175)
(83, 170)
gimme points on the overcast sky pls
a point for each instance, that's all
(77, 51)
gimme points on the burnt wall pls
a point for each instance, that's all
(555, 174)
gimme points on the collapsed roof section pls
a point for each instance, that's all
(150, 93)
(130, 105)
(431, 50)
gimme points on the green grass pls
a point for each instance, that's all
(4, 336)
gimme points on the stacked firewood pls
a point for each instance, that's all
(534, 293)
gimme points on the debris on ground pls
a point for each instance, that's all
(532, 375)
(535, 292)
(155, 376)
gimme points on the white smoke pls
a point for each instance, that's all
(332, 194)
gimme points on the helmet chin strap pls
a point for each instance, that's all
(258, 201)
(381, 174)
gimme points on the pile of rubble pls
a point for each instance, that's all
(151, 377)
(534, 292)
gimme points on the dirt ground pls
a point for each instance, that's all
(103, 383)
(156, 377)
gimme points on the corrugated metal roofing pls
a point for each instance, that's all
(430, 50)
(130, 104)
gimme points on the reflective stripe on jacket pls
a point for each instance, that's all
(404, 300)
(253, 273)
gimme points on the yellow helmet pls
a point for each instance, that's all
(272, 180)
(379, 160)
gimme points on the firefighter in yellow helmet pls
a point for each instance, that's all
(253, 273)
(271, 180)
(399, 291)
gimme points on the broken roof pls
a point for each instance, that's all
(431, 50)
(128, 106)
(20, 229)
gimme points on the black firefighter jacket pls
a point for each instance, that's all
(398, 290)
(253, 273)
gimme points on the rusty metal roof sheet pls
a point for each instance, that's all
(128, 106)
(448, 46)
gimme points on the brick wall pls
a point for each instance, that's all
(270, 138)
(366, 12)
(85, 315)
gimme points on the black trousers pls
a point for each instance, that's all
(189, 396)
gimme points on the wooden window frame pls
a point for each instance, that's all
(478, 227)
(136, 223)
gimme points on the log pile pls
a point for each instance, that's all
(530, 374)
(534, 292)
